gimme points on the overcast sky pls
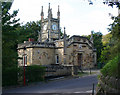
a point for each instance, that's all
(77, 16)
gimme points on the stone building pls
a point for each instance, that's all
(52, 49)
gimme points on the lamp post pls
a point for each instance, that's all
(24, 65)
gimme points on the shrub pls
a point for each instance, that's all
(9, 76)
(111, 68)
(35, 73)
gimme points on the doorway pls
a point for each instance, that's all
(80, 57)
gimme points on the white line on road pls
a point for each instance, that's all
(89, 91)
(80, 92)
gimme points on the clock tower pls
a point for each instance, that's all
(50, 27)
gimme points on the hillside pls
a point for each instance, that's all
(106, 38)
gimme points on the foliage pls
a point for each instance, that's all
(9, 36)
(35, 73)
(115, 40)
(98, 44)
(106, 39)
(29, 30)
(108, 2)
(112, 3)
(105, 53)
(10, 76)
(12, 34)
(97, 40)
(111, 41)
(111, 68)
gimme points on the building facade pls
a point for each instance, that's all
(52, 49)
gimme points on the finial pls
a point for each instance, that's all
(58, 13)
(58, 8)
(49, 8)
(49, 5)
(64, 31)
(42, 9)
(42, 14)
(64, 28)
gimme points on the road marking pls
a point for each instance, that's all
(80, 92)
(56, 78)
(90, 91)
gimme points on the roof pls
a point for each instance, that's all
(33, 44)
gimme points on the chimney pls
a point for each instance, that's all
(30, 39)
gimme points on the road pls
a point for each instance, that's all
(67, 85)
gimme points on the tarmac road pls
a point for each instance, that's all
(67, 85)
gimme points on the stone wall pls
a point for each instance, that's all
(108, 85)
(43, 56)
(57, 70)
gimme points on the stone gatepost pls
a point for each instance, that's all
(74, 70)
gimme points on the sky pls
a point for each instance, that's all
(77, 16)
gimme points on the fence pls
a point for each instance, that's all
(34, 73)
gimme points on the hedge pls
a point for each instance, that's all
(33, 73)
(9, 76)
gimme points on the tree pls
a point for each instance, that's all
(97, 40)
(105, 53)
(29, 30)
(114, 41)
(9, 35)
(112, 3)
(114, 45)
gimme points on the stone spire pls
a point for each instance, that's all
(49, 12)
(58, 17)
(42, 14)
(49, 8)
(40, 32)
(58, 13)
(91, 38)
(64, 33)
(64, 46)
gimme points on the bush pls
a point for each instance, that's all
(35, 73)
(32, 73)
(9, 76)
(111, 68)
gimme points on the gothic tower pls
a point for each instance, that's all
(50, 27)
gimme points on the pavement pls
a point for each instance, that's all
(76, 85)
